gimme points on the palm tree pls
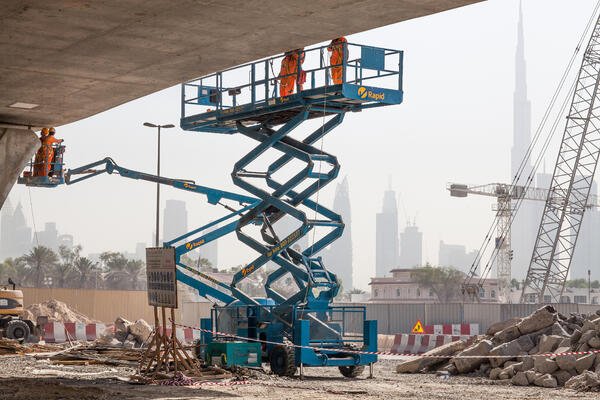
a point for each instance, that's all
(87, 270)
(114, 267)
(133, 268)
(14, 268)
(40, 261)
(65, 268)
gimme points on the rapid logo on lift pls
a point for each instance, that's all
(364, 93)
(193, 245)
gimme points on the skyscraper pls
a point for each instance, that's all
(174, 219)
(338, 258)
(386, 235)
(15, 235)
(411, 247)
(48, 237)
(524, 226)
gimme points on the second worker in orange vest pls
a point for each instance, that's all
(336, 59)
(290, 71)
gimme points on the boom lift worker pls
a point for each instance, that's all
(339, 53)
(291, 70)
(38, 161)
(46, 153)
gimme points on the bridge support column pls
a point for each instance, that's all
(16, 148)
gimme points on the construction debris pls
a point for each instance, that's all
(525, 351)
(127, 331)
(10, 346)
(56, 311)
(89, 354)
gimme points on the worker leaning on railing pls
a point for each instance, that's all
(42, 164)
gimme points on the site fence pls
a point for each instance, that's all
(393, 318)
(107, 305)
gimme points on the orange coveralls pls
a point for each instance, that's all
(43, 158)
(336, 47)
(289, 66)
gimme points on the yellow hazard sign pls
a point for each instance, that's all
(418, 328)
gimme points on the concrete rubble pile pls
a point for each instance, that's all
(56, 311)
(525, 346)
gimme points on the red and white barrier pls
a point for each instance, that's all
(452, 329)
(58, 332)
(420, 343)
(185, 334)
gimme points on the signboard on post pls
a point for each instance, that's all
(161, 276)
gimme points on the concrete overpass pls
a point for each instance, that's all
(66, 60)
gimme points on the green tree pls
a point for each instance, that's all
(114, 264)
(577, 283)
(64, 270)
(88, 273)
(197, 263)
(133, 269)
(14, 268)
(40, 263)
(514, 284)
(445, 282)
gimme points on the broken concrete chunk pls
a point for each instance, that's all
(532, 375)
(540, 319)
(494, 373)
(546, 380)
(566, 362)
(585, 336)
(544, 365)
(575, 336)
(584, 363)
(549, 343)
(420, 363)
(520, 379)
(122, 328)
(140, 330)
(507, 334)
(586, 381)
(562, 377)
(594, 342)
(469, 364)
(499, 326)
(588, 325)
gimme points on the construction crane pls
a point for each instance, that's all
(246, 100)
(570, 186)
(505, 194)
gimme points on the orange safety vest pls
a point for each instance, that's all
(289, 67)
(337, 59)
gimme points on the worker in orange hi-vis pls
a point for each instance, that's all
(290, 71)
(38, 161)
(336, 59)
(48, 150)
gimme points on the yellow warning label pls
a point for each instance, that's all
(418, 328)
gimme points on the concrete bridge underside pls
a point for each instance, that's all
(73, 59)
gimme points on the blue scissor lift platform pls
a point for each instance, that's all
(246, 100)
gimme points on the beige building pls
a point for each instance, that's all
(401, 288)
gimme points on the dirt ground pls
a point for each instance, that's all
(24, 378)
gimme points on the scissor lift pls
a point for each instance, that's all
(245, 100)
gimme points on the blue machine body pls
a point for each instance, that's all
(245, 100)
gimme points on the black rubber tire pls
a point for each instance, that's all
(283, 360)
(352, 371)
(18, 330)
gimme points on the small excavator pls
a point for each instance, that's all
(12, 325)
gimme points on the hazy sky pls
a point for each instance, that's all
(455, 125)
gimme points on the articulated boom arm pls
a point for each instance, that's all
(189, 241)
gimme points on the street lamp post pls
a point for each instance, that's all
(167, 126)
